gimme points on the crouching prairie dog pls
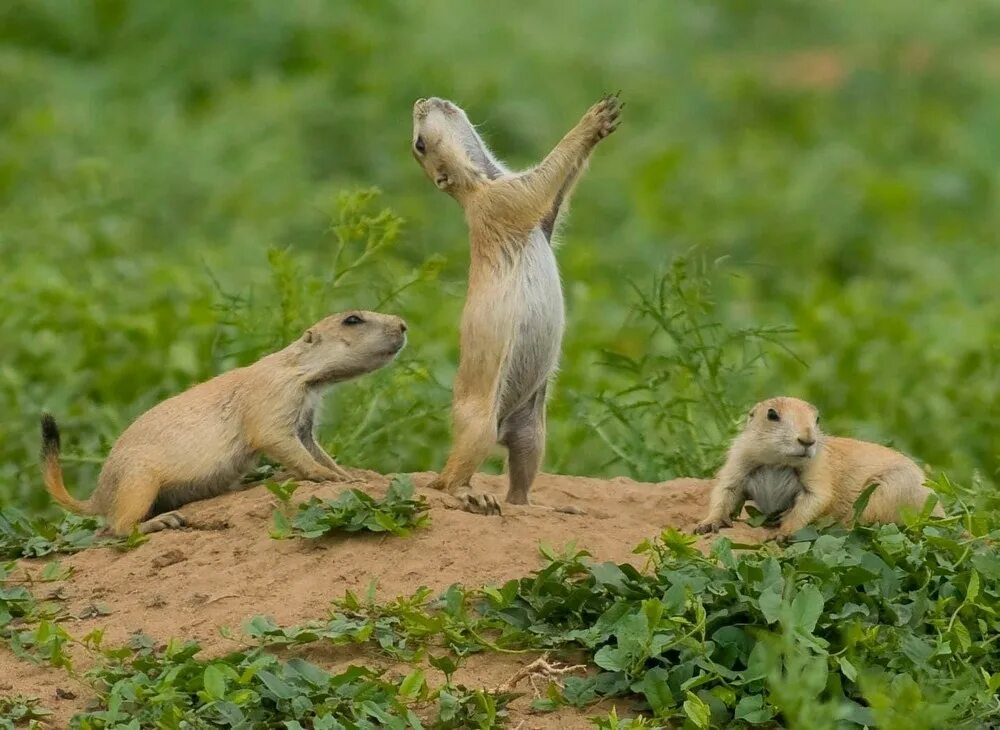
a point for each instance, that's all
(513, 320)
(198, 444)
(787, 466)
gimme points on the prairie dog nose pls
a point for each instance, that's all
(807, 441)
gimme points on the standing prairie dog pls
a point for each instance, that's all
(785, 463)
(513, 320)
(199, 443)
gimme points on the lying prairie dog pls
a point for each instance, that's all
(200, 443)
(785, 464)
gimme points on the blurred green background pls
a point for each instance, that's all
(171, 179)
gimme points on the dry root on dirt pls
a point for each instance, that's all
(540, 669)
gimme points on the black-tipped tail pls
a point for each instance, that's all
(50, 436)
(52, 472)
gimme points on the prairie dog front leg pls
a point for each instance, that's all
(525, 199)
(727, 498)
(304, 430)
(293, 455)
(808, 506)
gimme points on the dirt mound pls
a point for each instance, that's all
(226, 569)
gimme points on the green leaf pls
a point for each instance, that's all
(861, 503)
(277, 686)
(696, 710)
(412, 684)
(972, 592)
(653, 686)
(770, 606)
(751, 709)
(847, 669)
(807, 606)
(280, 528)
(214, 682)
(961, 633)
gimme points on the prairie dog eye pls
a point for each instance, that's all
(419, 145)
(772, 415)
(353, 320)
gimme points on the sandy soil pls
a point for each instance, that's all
(226, 569)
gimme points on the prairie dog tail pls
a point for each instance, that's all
(52, 471)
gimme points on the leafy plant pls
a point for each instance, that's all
(28, 626)
(836, 630)
(22, 712)
(404, 628)
(612, 722)
(176, 688)
(351, 511)
(696, 637)
(22, 536)
(686, 391)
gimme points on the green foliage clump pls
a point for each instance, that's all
(678, 410)
(868, 627)
(143, 687)
(19, 711)
(862, 627)
(24, 536)
(351, 511)
(29, 627)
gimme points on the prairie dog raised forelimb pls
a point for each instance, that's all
(513, 320)
(199, 443)
(786, 464)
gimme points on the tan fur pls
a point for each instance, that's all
(513, 319)
(832, 472)
(200, 443)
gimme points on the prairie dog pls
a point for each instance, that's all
(198, 444)
(786, 464)
(513, 320)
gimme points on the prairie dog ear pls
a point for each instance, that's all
(310, 337)
(750, 414)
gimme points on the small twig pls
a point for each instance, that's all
(539, 668)
(219, 598)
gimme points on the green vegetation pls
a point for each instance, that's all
(872, 627)
(21, 712)
(170, 206)
(802, 199)
(143, 687)
(352, 511)
(22, 536)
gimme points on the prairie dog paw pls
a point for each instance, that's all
(603, 118)
(166, 521)
(341, 475)
(478, 502)
(710, 526)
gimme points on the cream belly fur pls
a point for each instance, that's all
(523, 308)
